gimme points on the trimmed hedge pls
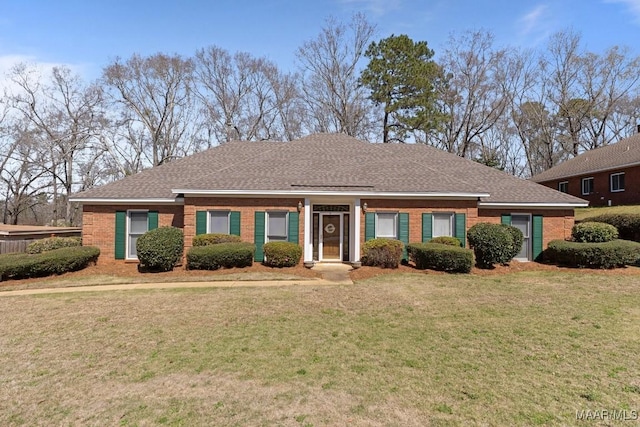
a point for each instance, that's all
(160, 249)
(57, 261)
(517, 240)
(440, 257)
(491, 244)
(612, 254)
(446, 240)
(382, 252)
(282, 254)
(51, 243)
(214, 239)
(221, 255)
(594, 232)
(628, 225)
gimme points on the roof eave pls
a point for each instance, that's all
(536, 205)
(587, 172)
(129, 201)
(307, 193)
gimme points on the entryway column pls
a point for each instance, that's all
(355, 237)
(308, 231)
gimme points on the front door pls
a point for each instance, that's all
(331, 237)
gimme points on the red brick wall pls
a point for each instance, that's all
(99, 221)
(415, 209)
(602, 187)
(556, 224)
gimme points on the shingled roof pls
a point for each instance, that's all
(326, 163)
(624, 153)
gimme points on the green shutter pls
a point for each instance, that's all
(121, 234)
(403, 232)
(258, 236)
(294, 224)
(461, 228)
(234, 223)
(152, 220)
(369, 226)
(506, 219)
(427, 227)
(536, 231)
(201, 222)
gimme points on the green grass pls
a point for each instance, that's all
(520, 349)
(582, 213)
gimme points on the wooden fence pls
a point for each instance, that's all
(7, 246)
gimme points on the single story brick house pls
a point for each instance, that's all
(327, 192)
(606, 176)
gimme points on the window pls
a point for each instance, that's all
(137, 225)
(219, 222)
(617, 182)
(387, 225)
(587, 186)
(442, 224)
(277, 227)
(563, 186)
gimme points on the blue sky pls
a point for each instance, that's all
(88, 34)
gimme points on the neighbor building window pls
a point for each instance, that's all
(442, 224)
(563, 186)
(137, 225)
(617, 182)
(277, 227)
(219, 222)
(387, 225)
(587, 186)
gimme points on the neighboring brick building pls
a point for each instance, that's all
(328, 192)
(608, 175)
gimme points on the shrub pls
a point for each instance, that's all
(382, 252)
(491, 244)
(594, 232)
(51, 243)
(56, 261)
(282, 254)
(160, 249)
(628, 225)
(441, 257)
(446, 240)
(214, 239)
(517, 238)
(221, 255)
(615, 253)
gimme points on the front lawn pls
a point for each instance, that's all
(407, 349)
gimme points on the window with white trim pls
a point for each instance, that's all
(218, 222)
(617, 182)
(563, 186)
(137, 225)
(587, 186)
(442, 225)
(277, 227)
(387, 224)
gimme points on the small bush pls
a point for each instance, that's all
(51, 243)
(446, 240)
(56, 261)
(282, 254)
(612, 254)
(221, 255)
(491, 244)
(628, 225)
(440, 257)
(160, 249)
(214, 239)
(517, 239)
(594, 232)
(381, 252)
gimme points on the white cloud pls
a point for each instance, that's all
(532, 21)
(7, 62)
(632, 5)
(375, 7)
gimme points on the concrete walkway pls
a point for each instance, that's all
(332, 274)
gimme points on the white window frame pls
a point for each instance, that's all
(452, 224)
(527, 239)
(227, 212)
(565, 184)
(611, 182)
(128, 232)
(395, 225)
(584, 180)
(286, 227)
